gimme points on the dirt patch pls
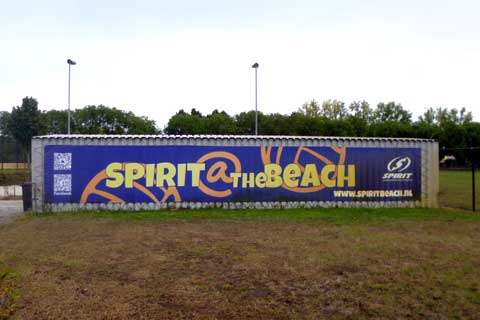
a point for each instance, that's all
(85, 268)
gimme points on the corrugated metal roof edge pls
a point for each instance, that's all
(111, 136)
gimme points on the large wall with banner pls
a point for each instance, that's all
(153, 172)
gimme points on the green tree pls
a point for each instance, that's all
(275, 124)
(442, 116)
(219, 122)
(429, 117)
(451, 127)
(138, 124)
(303, 125)
(391, 112)
(104, 120)
(4, 123)
(472, 134)
(338, 128)
(55, 122)
(195, 112)
(25, 122)
(246, 122)
(310, 109)
(334, 110)
(360, 117)
(391, 129)
(184, 123)
(330, 109)
(426, 130)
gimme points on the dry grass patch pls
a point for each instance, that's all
(86, 268)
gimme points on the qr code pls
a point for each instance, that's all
(62, 184)
(62, 161)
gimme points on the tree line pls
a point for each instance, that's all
(451, 127)
(26, 121)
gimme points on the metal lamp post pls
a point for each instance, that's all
(255, 66)
(70, 63)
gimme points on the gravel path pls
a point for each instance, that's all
(9, 209)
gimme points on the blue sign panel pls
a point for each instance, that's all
(136, 174)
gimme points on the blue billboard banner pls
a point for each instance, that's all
(140, 174)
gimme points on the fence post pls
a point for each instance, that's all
(2, 150)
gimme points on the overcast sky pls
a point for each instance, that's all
(156, 57)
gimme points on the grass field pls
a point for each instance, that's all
(456, 189)
(272, 264)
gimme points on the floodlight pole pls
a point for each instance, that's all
(70, 63)
(255, 66)
(68, 124)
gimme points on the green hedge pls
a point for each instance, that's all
(14, 177)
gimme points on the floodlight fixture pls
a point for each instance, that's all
(255, 66)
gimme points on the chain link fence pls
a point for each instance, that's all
(459, 178)
(12, 155)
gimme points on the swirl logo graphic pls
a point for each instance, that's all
(399, 164)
